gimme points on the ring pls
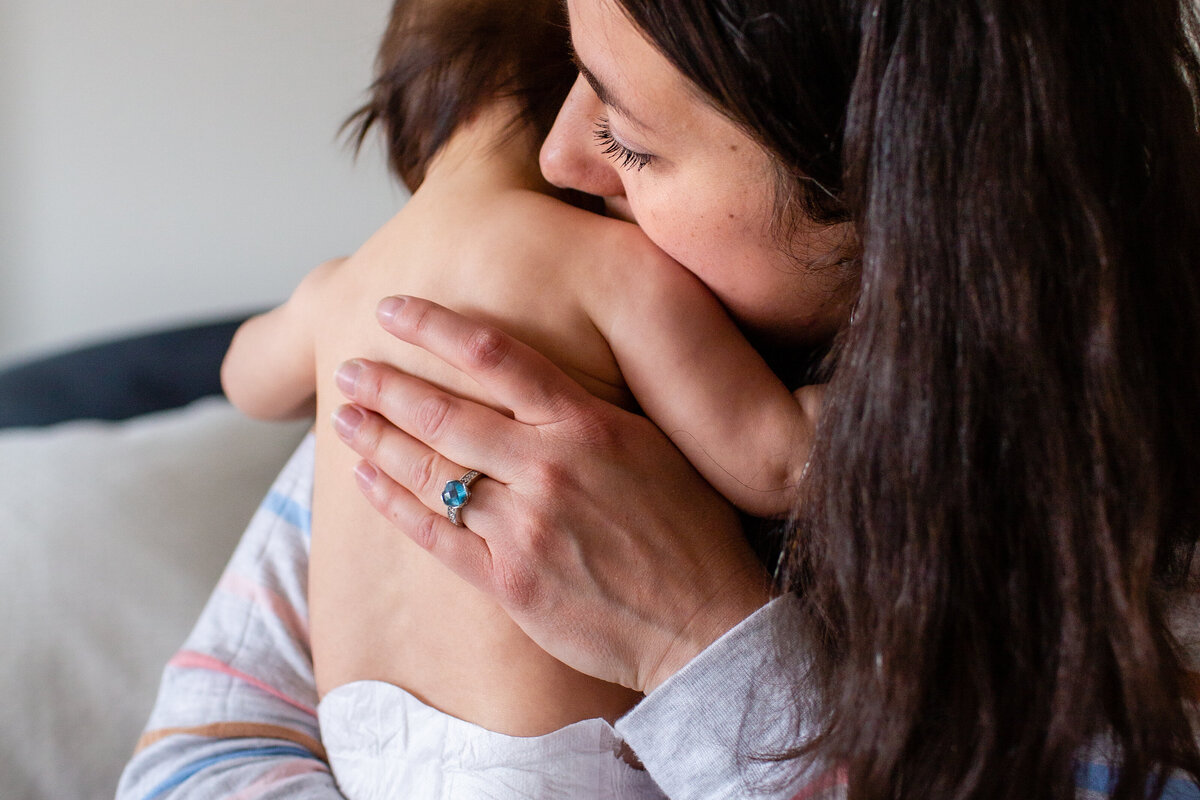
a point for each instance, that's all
(457, 493)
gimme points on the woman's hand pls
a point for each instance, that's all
(590, 529)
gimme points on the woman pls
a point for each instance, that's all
(996, 522)
(999, 513)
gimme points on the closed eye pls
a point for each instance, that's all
(617, 152)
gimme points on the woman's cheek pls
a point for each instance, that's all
(675, 234)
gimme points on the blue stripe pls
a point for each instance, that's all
(260, 752)
(1102, 779)
(289, 511)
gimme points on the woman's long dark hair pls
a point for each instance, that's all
(1005, 491)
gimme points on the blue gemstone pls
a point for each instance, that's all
(455, 494)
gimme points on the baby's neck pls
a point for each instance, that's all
(491, 151)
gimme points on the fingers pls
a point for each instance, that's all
(460, 549)
(464, 432)
(519, 377)
(420, 470)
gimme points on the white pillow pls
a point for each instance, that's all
(112, 536)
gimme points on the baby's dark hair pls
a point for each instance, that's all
(441, 61)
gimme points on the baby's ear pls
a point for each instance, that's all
(811, 398)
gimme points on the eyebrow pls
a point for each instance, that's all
(604, 93)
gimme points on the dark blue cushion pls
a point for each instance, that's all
(118, 379)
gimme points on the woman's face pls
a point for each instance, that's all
(634, 131)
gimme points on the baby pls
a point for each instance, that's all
(466, 90)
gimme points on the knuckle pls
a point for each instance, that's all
(539, 533)
(423, 475)
(424, 533)
(417, 316)
(486, 348)
(538, 539)
(602, 431)
(552, 477)
(368, 438)
(369, 384)
(519, 585)
(431, 416)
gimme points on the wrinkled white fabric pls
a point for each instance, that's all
(383, 742)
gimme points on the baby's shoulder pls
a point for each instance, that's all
(314, 286)
(596, 244)
(326, 270)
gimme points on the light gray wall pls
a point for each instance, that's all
(167, 160)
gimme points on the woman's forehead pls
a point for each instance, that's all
(626, 71)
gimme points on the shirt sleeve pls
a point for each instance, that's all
(708, 731)
(703, 732)
(236, 710)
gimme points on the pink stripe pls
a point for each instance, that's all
(261, 596)
(190, 659)
(278, 775)
(823, 783)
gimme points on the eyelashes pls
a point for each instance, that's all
(617, 152)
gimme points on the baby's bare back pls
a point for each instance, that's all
(380, 607)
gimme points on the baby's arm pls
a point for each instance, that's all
(269, 371)
(703, 384)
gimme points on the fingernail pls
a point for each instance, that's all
(347, 375)
(366, 475)
(388, 308)
(346, 421)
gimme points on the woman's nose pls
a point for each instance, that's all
(569, 157)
